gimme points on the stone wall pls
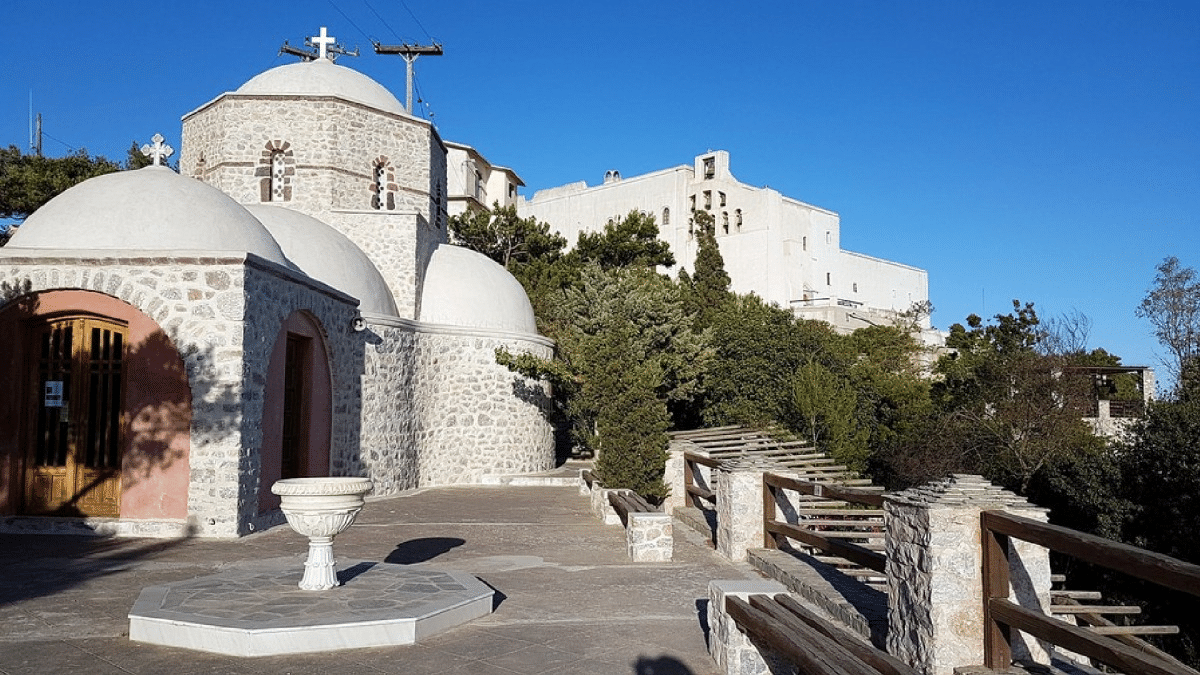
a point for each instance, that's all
(479, 418)
(202, 302)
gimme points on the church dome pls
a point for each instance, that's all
(150, 209)
(322, 77)
(465, 288)
(328, 256)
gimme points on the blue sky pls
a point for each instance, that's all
(1046, 151)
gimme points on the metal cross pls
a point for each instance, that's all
(159, 151)
(323, 42)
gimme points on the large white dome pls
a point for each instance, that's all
(465, 288)
(151, 209)
(328, 256)
(322, 77)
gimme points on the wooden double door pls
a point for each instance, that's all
(75, 420)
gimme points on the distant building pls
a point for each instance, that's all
(781, 249)
(474, 183)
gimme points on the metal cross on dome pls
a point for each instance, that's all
(158, 152)
(322, 43)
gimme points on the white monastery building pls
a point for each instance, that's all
(785, 251)
(286, 305)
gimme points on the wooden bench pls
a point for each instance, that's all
(649, 535)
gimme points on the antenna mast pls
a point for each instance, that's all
(410, 54)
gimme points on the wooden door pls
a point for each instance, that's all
(76, 422)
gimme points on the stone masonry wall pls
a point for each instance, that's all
(202, 303)
(272, 296)
(477, 417)
(335, 142)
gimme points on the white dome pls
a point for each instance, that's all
(465, 288)
(151, 209)
(322, 77)
(328, 256)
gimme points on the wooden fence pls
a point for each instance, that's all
(1001, 615)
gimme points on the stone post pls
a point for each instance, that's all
(733, 652)
(739, 508)
(673, 477)
(935, 572)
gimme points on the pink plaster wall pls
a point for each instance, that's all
(157, 405)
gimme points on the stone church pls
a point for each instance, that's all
(285, 305)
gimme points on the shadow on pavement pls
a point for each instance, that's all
(421, 550)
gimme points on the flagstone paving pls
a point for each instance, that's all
(568, 599)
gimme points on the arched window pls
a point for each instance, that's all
(725, 221)
(666, 216)
(383, 185)
(276, 168)
(737, 219)
(277, 174)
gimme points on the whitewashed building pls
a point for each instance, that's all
(286, 305)
(473, 183)
(781, 249)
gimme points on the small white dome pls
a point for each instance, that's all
(151, 209)
(322, 77)
(328, 256)
(469, 289)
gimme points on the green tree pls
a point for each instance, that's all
(506, 238)
(631, 241)
(1010, 408)
(29, 181)
(707, 289)
(1173, 307)
(757, 349)
(826, 403)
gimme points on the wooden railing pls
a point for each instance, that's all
(691, 463)
(1001, 616)
(774, 529)
(814, 645)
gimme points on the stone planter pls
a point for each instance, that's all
(320, 509)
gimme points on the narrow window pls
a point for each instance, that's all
(737, 219)
(804, 243)
(828, 282)
(693, 201)
(710, 167)
(828, 237)
(480, 192)
(708, 199)
(725, 221)
(666, 216)
(721, 195)
(277, 175)
(380, 196)
(856, 287)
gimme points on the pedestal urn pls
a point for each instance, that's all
(320, 509)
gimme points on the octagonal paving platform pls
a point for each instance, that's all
(258, 610)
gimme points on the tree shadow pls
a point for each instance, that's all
(41, 565)
(660, 665)
(422, 550)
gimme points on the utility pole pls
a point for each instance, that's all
(410, 54)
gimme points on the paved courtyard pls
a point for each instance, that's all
(569, 601)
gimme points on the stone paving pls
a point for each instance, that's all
(569, 601)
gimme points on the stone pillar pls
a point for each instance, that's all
(935, 571)
(673, 477)
(739, 508)
(729, 646)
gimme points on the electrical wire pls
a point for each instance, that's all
(382, 21)
(418, 21)
(351, 21)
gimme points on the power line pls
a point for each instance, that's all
(382, 20)
(351, 22)
(418, 21)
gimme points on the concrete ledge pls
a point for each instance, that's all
(862, 610)
(259, 610)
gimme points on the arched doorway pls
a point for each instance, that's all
(297, 407)
(97, 416)
(75, 416)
